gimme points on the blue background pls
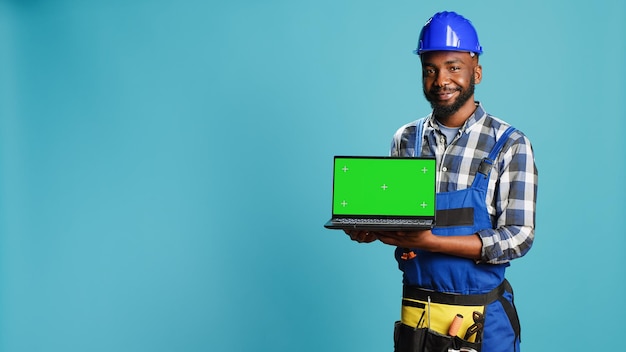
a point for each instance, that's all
(165, 169)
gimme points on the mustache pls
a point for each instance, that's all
(438, 90)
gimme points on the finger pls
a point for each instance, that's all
(389, 240)
(366, 237)
(394, 234)
(370, 237)
(355, 235)
(362, 236)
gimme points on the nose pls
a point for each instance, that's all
(442, 79)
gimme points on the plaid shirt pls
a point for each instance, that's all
(512, 190)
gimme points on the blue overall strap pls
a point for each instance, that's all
(419, 132)
(484, 169)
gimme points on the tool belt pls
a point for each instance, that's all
(441, 322)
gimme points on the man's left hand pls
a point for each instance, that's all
(414, 239)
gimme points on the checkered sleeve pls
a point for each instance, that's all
(514, 202)
(403, 141)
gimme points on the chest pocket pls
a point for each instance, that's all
(455, 217)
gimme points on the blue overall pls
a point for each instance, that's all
(451, 274)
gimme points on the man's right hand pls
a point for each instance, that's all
(361, 236)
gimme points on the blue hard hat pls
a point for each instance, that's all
(448, 31)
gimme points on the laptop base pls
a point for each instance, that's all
(342, 224)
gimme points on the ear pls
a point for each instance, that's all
(478, 73)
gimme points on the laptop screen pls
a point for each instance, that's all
(384, 186)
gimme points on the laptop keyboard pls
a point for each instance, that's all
(367, 221)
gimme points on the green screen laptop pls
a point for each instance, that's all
(383, 193)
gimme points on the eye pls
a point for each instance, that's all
(455, 68)
(429, 71)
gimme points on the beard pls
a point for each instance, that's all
(444, 111)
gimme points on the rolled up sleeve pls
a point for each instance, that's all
(515, 205)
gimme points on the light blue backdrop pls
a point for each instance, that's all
(165, 169)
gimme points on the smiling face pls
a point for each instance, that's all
(448, 82)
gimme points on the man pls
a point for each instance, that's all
(455, 296)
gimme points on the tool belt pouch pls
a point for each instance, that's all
(412, 335)
(409, 339)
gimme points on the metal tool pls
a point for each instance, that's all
(476, 328)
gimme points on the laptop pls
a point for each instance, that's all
(383, 193)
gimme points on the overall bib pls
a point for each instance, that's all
(443, 292)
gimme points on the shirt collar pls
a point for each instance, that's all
(478, 115)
